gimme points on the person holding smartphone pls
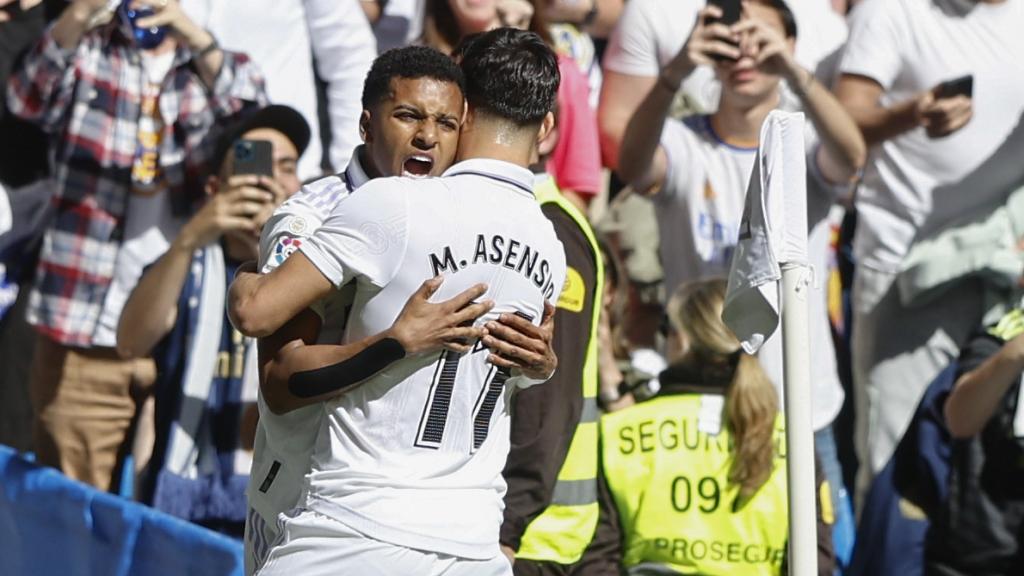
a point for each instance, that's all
(943, 148)
(127, 126)
(176, 315)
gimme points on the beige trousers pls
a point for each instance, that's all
(85, 400)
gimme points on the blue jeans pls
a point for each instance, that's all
(844, 528)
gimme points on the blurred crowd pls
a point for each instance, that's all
(144, 144)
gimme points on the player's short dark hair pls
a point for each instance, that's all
(510, 73)
(410, 62)
(788, 20)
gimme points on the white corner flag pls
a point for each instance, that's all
(772, 247)
(773, 231)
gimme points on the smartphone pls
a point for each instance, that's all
(145, 38)
(253, 157)
(962, 86)
(731, 12)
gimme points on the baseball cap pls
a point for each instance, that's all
(284, 119)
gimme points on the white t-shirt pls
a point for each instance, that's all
(284, 442)
(651, 32)
(913, 185)
(400, 24)
(413, 456)
(286, 38)
(699, 209)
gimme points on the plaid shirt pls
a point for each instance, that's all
(88, 101)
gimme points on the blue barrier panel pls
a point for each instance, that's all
(52, 525)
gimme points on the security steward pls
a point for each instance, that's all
(551, 508)
(694, 479)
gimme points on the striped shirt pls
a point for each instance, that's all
(88, 101)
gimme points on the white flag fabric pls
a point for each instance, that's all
(773, 230)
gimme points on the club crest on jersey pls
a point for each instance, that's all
(285, 247)
(296, 225)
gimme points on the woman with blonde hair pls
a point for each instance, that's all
(695, 477)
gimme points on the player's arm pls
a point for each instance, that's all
(259, 304)
(350, 243)
(297, 373)
(642, 161)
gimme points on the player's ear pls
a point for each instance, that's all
(546, 126)
(548, 143)
(364, 126)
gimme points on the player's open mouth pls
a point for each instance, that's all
(417, 166)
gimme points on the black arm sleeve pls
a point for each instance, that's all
(347, 373)
(544, 417)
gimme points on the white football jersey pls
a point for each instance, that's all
(413, 456)
(284, 442)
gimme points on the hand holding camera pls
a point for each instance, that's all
(166, 14)
(711, 40)
(947, 107)
(241, 205)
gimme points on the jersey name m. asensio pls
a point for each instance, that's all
(413, 456)
(284, 442)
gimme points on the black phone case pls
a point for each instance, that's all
(731, 11)
(254, 157)
(962, 86)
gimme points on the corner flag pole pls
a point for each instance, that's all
(803, 554)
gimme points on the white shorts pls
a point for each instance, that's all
(260, 537)
(312, 544)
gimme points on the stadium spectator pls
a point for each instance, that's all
(648, 36)
(575, 162)
(206, 370)
(695, 478)
(651, 32)
(938, 155)
(697, 170)
(980, 528)
(396, 23)
(129, 134)
(286, 38)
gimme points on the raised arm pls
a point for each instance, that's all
(297, 374)
(642, 162)
(978, 393)
(151, 310)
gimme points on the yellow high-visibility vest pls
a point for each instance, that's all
(667, 470)
(562, 532)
